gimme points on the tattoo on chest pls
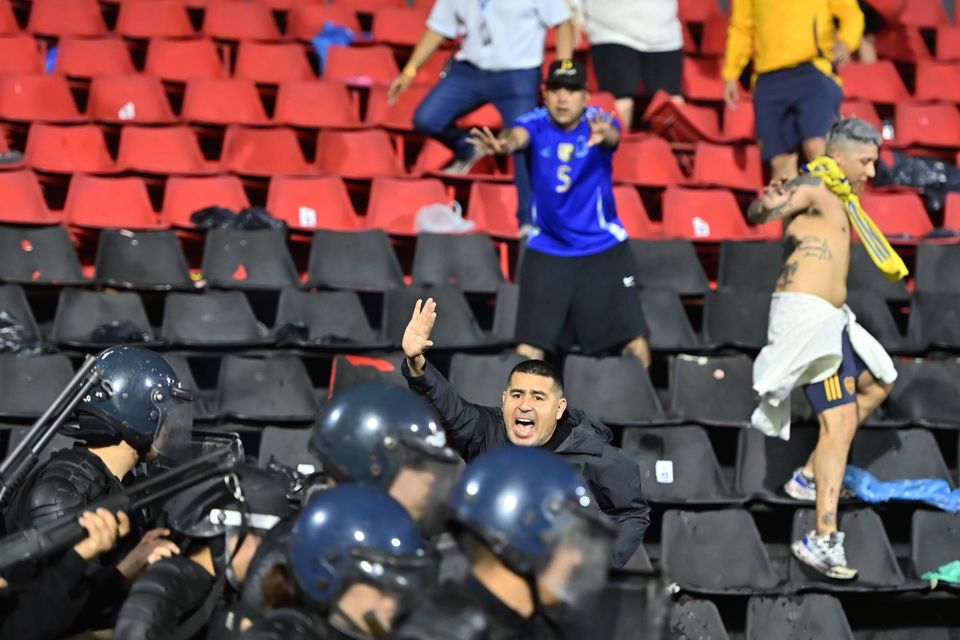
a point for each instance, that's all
(815, 247)
(787, 273)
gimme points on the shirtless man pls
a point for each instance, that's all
(810, 336)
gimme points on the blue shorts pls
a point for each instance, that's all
(793, 105)
(840, 388)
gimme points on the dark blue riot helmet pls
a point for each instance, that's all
(368, 432)
(139, 400)
(356, 534)
(535, 513)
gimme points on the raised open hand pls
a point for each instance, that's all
(485, 141)
(416, 337)
(600, 125)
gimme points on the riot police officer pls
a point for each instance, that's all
(219, 524)
(536, 543)
(357, 559)
(385, 436)
(136, 410)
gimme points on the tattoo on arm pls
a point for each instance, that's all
(815, 247)
(758, 213)
(787, 273)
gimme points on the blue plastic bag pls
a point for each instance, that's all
(332, 34)
(937, 493)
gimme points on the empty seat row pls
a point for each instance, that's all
(254, 260)
(225, 320)
(679, 466)
(721, 552)
(795, 616)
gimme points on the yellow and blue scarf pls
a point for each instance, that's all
(882, 254)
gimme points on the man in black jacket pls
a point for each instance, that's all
(534, 413)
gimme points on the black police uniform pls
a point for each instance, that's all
(62, 487)
(613, 477)
(466, 610)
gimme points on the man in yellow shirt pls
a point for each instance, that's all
(795, 49)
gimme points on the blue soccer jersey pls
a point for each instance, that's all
(573, 208)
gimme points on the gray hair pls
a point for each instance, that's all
(852, 130)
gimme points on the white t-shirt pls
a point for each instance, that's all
(644, 25)
(498, 35)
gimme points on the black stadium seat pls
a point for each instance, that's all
(222, 319)
(796, 618)
(716, 552)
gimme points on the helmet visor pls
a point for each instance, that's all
(580, 561)
(423, 485)
(173, 440)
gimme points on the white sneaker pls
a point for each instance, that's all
(802, 487)
(825, 554)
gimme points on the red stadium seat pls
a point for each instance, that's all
(608, 103)
(899, 215)
(370, 6)
(430, 72)
(728, 166)
(135, 99)
(701, 79)
(68, 149)
(739, 124)
(938, 81)
(313, 203)
(948, 43)
(357, 154)
(154, 19)
(647, 161)
(184, 195)
(697, 10)
(889, 10)
(878, 82)
(8, 20)
(306, 19)
(273, 63)
(714, 39)
(398, 26)
(161, 150)
(361, 66)
(397, 116)
(182, 60)
(66, 18)
(901, 44)
(298, 105)
(263, 152)
(485, 116)
(951, 212)
(394, 202)
(434, 158)
(104, 203)
(863, 110)
(20, 53)
(706, 215)
(225, 20)
(928, 14)
(934, 125)
(25, 97)
(493, 207)
(681, 122)
(22, 200)
(223, 101)
(633, 214)
(88, 57)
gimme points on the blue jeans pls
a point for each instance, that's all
(467, 87)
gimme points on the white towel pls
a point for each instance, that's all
(804, 346)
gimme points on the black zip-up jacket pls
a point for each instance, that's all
(611, 474)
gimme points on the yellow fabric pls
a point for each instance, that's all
(780, 34)
(877, 246)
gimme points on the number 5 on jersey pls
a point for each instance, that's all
(563, 178)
